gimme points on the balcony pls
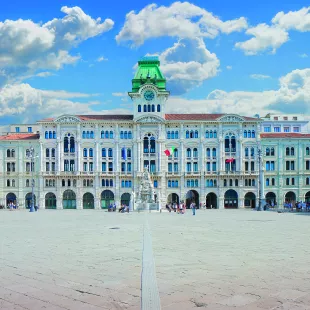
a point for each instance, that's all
(49, 172)
(87, 173)
(125, 173)
(107, 172)
(173, 173)
(69, 172)
(195, 173)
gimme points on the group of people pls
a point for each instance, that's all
(123, 208)
(181, 207)
(299, 206)
(13, 206)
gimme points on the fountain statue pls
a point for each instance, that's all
(145, 196)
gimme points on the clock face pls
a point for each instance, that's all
(149, 95)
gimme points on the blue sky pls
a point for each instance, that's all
(218, 56)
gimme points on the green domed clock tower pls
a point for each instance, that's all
(149, 92)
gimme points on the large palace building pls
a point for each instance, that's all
(91, 161)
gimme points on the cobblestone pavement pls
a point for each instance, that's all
(218, 259)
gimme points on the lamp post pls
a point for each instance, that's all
(31, 155)
(259, 153)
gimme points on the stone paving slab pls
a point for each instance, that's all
(218, 259)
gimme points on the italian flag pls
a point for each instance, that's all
(170, 151)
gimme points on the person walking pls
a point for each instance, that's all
(193, 207)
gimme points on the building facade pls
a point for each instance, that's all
(91, 161)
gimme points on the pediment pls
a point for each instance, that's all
(149, 119)
(71, 119)
(231, 118)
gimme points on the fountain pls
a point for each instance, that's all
(145, 197)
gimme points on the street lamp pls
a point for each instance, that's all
(259, 153)
(31, 155)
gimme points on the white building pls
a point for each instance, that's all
(90, 161)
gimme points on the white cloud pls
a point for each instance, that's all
(259, 76)
(45, 74)
(26, 46)
(294, 20)
(119, 94)
(266, 38)
(100, 59)
(187, 64)
(304, 55)
(292, 96)
(181, 20)
(23, 103)
(229, 67)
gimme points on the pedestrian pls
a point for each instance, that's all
(193, 207)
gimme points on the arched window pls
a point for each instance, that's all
(110, 152)
(50, 183)
(246, 152)
(46, 134)
(47, 153)
(246, 182)
(91, 153)
(191, 134)
(8, 153)
(122, 135)
(129, 135)
(53, 153)
(103, 153)
(253, 182)
(208, 152)
(8, 183)
(111, 182)
(63, 182)
(214, 152)
(187, 134)
(46, 183)
(225, 182)
(176, 153)
(245, 134)
(252, 152)
(196, 183)
(176, 183)
(149, 108)
(144, 108)
(54, 134)
(249, 134)
(158, 108)
(214, 134)
(273, 181)
(214, 182)
(211, 134)
(272, 151)
(129, 153)
(50, 135)
(195, 152)
(230, 182)
(84, 134)
(196, 133)
(13, 153)
(92, 135)
(189, 152)
(125, 135)
(153, 107)
(292, 151)
(307, 181)
(267, 151)
(253, 134)
(207, 134)
(27, 183)
(287, 151)
(87, 134)
(307, 150)
(72, 145)
(66, 144)
(236, 182)
(267, 182)
(172, 134)
(139, 108)
(169, 183)
(293, 181)
(176, 134)
(168, 135)
(111, 134)
(106, 134)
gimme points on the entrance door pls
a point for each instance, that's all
(231, 199)
(125, 199)
(250, 200)
(107, 198)
(173, 198)
(69, 199)
(88, 201)
(211, 201)
(192, 196)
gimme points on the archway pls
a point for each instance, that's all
(307, 197)
(10, 197)
(250, 200)
(28, 199)
(69, 199)
(271, 198)
(173, 198)
(88, 201)
(192, 196)
(50, 201)
(231, 199)
(211, 201)
(290, 197)
(107, 197)
(125, 199)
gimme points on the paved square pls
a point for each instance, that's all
(219, 259)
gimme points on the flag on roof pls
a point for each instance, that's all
(170, 151)
(229, 160)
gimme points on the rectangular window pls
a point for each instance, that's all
(110, 167)
(53, 166)
(195, 167)
(47, 166)
(287, 165)
(246, 166)
(91, 166)
(214, 166)
(267, 129)
(272, 166)
(123, 167)
(17, 129)
(287, 129)
(176, 167)
(169, 167)
(296, 129)
(294, 118)
(103, 167)
(188, 167)
(252, 166)
(276, 129)
(29, 129)
(128, 167)
(84, 166)
(292, 165)
(285, 118)
(208, 166)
